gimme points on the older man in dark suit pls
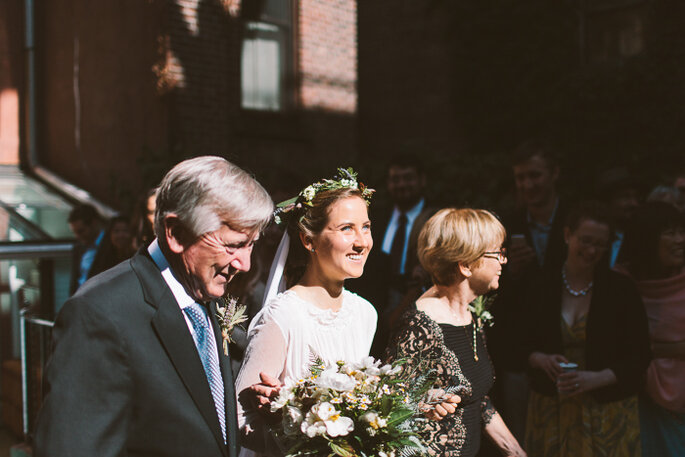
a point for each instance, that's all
(138, 367)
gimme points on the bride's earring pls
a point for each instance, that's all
(313, 250)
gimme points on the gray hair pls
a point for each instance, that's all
(666, 194)
(208, 191)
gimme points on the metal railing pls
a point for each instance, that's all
(36, 336)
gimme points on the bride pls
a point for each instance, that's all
(328, 239)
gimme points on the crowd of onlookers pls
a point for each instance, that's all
(588, 344)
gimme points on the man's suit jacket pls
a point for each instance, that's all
(125, 377)
(509, 307)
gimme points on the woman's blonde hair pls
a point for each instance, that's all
(457, 236)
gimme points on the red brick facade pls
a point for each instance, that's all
(129, 88)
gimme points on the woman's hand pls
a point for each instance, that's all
(578, 382)
(439, 404)
(263, 394)
(549, 363)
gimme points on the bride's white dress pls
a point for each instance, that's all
(284, 338)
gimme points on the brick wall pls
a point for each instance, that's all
(160, 80)
(11, 78)
(328, 55)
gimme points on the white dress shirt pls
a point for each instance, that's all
(179, 293)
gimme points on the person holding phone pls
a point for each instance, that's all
(586, 345)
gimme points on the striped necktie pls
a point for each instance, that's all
(203, 336)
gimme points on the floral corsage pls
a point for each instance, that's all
(229, 313)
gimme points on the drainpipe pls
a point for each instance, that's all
(70, 191)
(31, 136)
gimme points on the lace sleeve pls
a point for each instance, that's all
(265, 353)
(487, 410)
(413, 344)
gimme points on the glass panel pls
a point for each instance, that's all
(35, 202)
(277, 11)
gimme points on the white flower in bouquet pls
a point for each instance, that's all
(349, 409)
(389, 370)
(331, 379)
(292, 420)
(369, 366)
(285, 395)
(374, 420)
(333, 423)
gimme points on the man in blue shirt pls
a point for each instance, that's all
(86, 225)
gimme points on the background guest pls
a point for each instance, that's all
(116, 246)
(620, 191)
(86, 225)
(655, 247)
(393, 271)
(535, 243)
(586, 314)
(666, 194)
(143, 220)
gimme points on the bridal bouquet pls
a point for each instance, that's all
(349, 409)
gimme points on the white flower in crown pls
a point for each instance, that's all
(309, 193)
(348, 183)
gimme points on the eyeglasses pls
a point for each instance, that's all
(589, 242)
(500, 255)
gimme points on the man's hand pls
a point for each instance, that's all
(263, 394)
(520, 256)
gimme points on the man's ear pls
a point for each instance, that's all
(567, 234)
(174, 232)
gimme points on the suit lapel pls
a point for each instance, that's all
(172, 330)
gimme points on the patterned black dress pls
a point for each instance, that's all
(448, 350)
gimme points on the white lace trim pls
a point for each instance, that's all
(326, 317)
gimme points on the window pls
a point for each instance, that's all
(267, 55)
(614, 31)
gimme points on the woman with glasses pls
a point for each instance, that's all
(441, 336)
(655, 250)
(586, 345)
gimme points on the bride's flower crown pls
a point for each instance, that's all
(346, 178)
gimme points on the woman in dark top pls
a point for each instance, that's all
(117, 246)
(592, 317)
(461, 250)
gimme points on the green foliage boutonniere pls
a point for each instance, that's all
(229, 313)
(480, 307)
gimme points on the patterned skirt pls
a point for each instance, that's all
(579, 426)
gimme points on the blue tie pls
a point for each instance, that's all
(203, 335)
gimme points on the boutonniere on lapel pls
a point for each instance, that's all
(229, 313)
